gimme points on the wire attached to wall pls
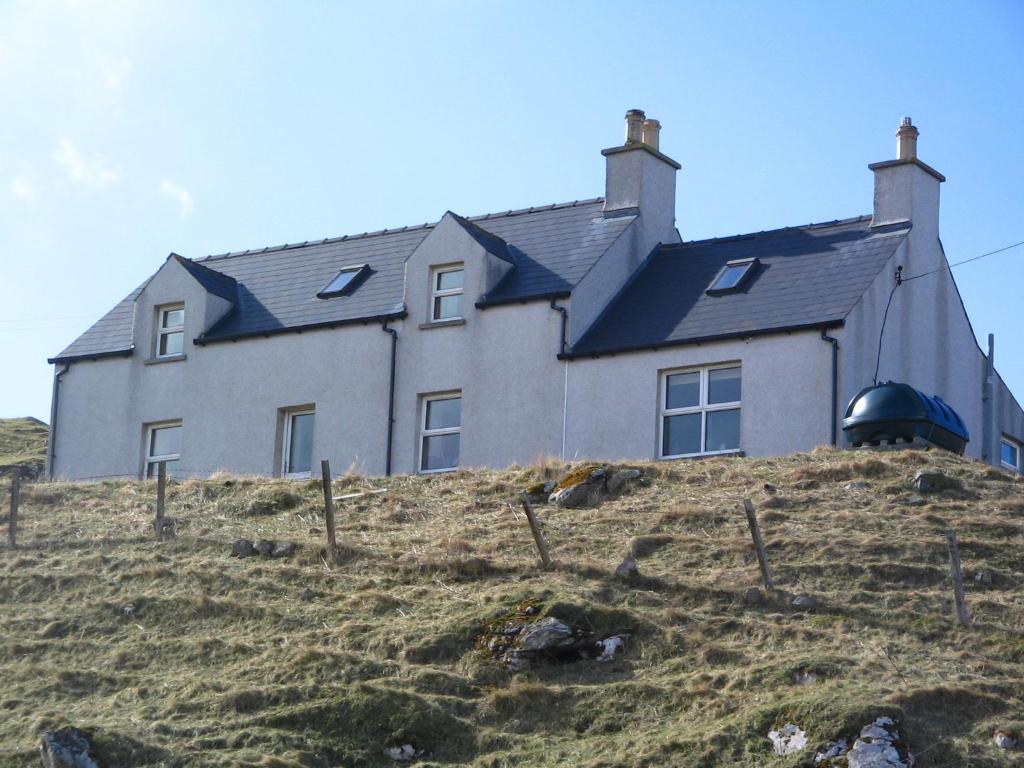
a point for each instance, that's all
(900, 280)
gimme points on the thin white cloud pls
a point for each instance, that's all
(93, 171)
(114, 74)
(24, 188)
(180, 195)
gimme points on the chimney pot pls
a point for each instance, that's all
(651, 130)
(906, 140)
(634, 126)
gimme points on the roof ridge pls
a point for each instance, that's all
(393, 231)
(536, 209)
(751, 235)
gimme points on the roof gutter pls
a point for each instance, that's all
(51, 441)
(94, 356)
(391, 395)
(487, 303)
(834, 412)
(327, 324)
(648, 347)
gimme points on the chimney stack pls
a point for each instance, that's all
(634, 126)
(651, 130)
(907, 190)
(906, 140)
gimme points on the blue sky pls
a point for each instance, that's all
(132, 130)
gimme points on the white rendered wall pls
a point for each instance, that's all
(786, 396)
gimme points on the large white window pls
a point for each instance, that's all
(446, 293)
(297, 445)
(1009, 454)
(163, 443)
(700, 411)
(440, 433)
(170, 336)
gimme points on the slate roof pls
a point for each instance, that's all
(807, 277)
(274, 289)
(214, 282)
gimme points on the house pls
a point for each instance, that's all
(584, 329)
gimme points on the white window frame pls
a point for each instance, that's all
(152, 460)
(702, 407)
(161, 331)
(1016, 446)
(286, 443)
(436, 293)
(425, 433)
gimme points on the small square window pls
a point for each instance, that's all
(441, 433)
(170, 337)
(1009, 454)
(446, 293)
(163, 443)
(345, 282)
(732, 276)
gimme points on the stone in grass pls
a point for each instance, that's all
(914, 501)
(1004, 740)
(933, 482)
(283, 548)
(806, 602)
(753, 596)
(628, 568)
(611, 646)
(263, 547)
(404, 753)
(832, 750)
(787, 740)
(242, 548)
(879, 746)
(67, 748)
(545, 634)
(984, 577)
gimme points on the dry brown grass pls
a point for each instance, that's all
(317, 661)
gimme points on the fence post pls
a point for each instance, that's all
(325, 471)
(538, 534)
(958, 579)
(161, 493)
(12, 521)
(755, 534)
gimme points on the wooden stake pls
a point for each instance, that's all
(325, 471)
(538, 534)
(12, 521)
(958, 579)
(755, 534)
(161, 496)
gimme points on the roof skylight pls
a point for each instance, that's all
(345, 282)
(732, 276)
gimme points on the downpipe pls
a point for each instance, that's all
(51, 447)
(391, 395)
(835, 384)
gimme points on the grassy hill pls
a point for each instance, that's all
(176, 654)
(23, 445)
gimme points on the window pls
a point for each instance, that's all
(732, 276)
(297, 445)
(163, 443)
(1009, 454)
(170, 339)
(441, 433)
(345, 282)
(446, 293)
(700, 412)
